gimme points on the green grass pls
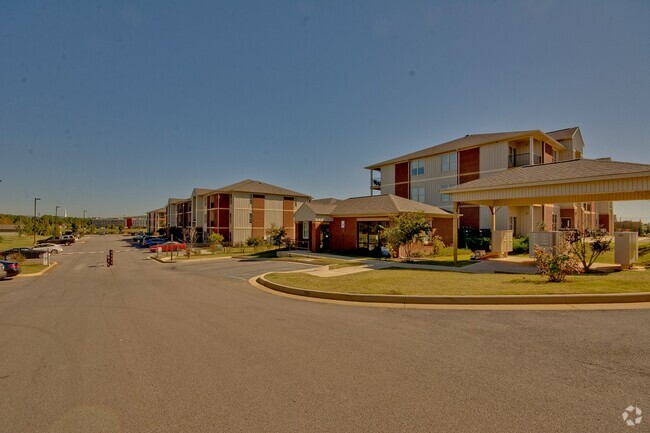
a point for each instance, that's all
(8, 242)
(463, 260)
(418, 282)
(644, 254)
(32, 269)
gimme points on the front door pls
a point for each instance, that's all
(324, 237)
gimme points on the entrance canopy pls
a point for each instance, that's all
(579, 180)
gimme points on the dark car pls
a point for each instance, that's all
(28, 253)
(11, 268)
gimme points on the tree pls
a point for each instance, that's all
(276, 234)
(189, 237)
(588, 244)
(215, 240)
(407, 230)
(21, 228)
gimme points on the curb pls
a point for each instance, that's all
(38, 274)
(207, 259)
(613, 298)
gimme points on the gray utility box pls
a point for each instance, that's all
(502, 242)
(547, 240)
(626, 248)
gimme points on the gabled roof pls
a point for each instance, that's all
(468, 141)
(378, 205)
(577, 170)
(257, 187)
(563, 134)
(162, 209)
(325, 201)
(201, 191)
(177, 200)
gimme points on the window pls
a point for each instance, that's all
(448, 162)
(368, 233)
(250, 218)
(305, 230)
(417, 193)
(445, 197)
(417, 167)
(554, 221)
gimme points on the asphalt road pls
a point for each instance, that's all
(149, 347)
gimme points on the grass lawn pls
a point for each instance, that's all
(8, 242)
(644, 254)
(463, 260)
(419, 282)
(32, 269)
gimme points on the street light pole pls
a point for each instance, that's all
(35, 199)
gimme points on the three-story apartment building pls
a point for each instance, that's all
(426, 174)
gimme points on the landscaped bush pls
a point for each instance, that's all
(520, 245)
(254, 241)
(437, 245)
(556, 264)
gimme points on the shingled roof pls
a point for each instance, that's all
(580, 170)
(468, 141)
(563, 134)
(378, 205)
(256, 187)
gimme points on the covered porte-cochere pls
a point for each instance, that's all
(580, 180)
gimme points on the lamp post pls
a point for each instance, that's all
(56, 217)
(35, 199)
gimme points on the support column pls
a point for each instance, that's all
(454, 229)
(493, 225)
(372, 190)
(531, 153)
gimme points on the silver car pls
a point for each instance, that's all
(50, 248)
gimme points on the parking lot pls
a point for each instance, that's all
(144, 346)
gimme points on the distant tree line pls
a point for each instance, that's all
(48, 225)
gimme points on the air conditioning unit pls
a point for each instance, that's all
(626, 249)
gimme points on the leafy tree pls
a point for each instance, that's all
(215, 240)
(588, 244)
(255, 242)
(407, 230)
(276, 234)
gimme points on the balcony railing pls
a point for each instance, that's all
(522, 159)
(376, 184)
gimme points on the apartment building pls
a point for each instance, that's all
(156, 220)
(424, 176)
(239, 211)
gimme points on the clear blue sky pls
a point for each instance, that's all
(115, 106)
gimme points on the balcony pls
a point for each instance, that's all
(522, 159)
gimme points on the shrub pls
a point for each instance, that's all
(215, 238)
(276, 234)
(520, 245)
(478, 244)
(556, 264)
(437, 245)
(254, 241)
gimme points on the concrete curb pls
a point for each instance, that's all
(207, 259)
(613, 298)
(38, 274)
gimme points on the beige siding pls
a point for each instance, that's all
(388, 179)
(494, 158)
(273, 212)
(240, 222)
(501, 218)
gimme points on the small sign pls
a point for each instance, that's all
(342, 224)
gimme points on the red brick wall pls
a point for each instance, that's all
(548, 153)
(444, 229)
(469, 164)
(402, 179)
(471, 217)
(339, 242)
(258, 216)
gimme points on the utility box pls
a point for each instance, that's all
(502, 242)
(547, 240)
(626, 249)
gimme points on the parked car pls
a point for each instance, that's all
(168, 246)
(28, 253)
(47, 247)
(154, 241)
(63, 240)
(11, 268)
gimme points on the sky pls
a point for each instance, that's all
(113, 107)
